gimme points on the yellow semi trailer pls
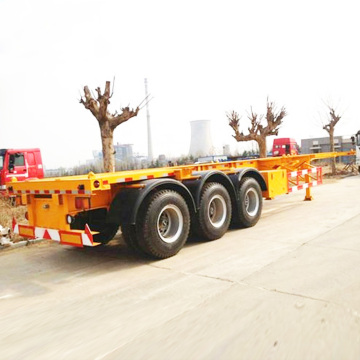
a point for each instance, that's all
(157, 208)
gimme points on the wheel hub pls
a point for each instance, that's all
(217, 211)
(170, 223)
(164, 223)
(251, 202)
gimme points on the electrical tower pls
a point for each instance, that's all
(150, 151)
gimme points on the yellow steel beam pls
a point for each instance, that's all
(95, 182)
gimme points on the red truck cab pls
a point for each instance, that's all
(21, 164)
(285, 146)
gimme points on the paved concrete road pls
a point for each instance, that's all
(289, 288)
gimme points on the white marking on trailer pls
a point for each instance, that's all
(121, 180)
(85, 240)
(54, 234)
(46, 192)
(39, 233)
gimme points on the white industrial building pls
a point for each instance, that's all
(201, 141)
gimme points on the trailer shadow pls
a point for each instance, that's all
(117, 249)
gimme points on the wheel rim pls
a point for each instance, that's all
(252, 202)
(170, 224)
(217, 211)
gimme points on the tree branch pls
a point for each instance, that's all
(273, 119)
(104, 102)
(90, 103)
(234, 121)
(334, 119)
(124, 116)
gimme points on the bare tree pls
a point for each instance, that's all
(257, 131)
(330, 128)
(107, 121)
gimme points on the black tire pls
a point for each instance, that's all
(163, 224)
(249, 203)
(96, 220)
(130, 238)
(214, 215)
(106, 233)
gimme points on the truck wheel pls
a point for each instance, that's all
(164, 226)
(214, 214)
(130, 238)
(250, 203)
(106, 233)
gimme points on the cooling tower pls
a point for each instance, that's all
(201, 142)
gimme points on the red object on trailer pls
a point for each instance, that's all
(21, 164)
(285, 146)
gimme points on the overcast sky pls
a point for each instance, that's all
(202, 59)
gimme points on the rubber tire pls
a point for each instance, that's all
(106, 234)
(246, 220)
(130, 238)
(204, 226)
(147, 232)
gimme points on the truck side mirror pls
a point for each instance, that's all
(353, 140)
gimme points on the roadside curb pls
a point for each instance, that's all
(20, 244)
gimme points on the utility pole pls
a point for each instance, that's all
(150, 151)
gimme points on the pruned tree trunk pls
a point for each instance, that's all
(332, 149)
(262, 146)
(107, 121)
(107, 142)
(330, 128)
